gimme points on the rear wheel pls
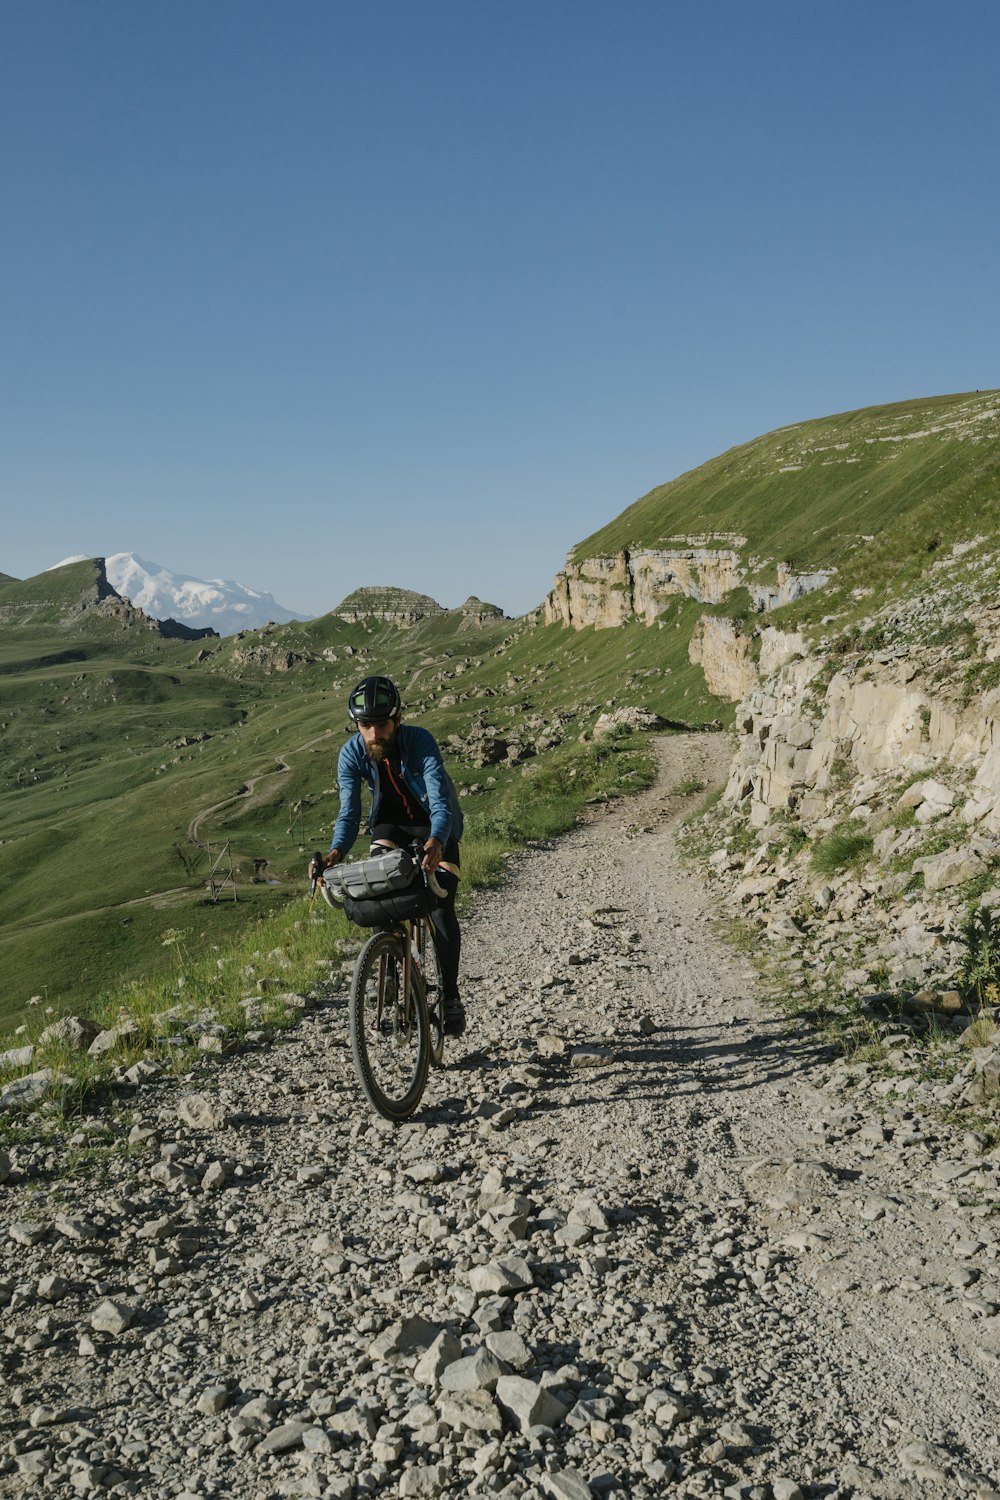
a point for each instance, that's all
(389, 1033)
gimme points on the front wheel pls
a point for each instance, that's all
(389, 1032)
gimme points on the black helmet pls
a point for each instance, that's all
(374, 701)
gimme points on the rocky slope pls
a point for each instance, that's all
(881, 745)
(641, 1241)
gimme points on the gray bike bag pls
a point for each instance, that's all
(382, 891)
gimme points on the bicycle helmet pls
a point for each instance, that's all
(375, 700)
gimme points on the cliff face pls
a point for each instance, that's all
(607, 591)
(924, 700)
(861, 820)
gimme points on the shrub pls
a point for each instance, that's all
(979, 971)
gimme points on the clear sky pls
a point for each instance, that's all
(420, 292)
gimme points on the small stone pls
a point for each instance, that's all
(511, 1274)
(213, 1400)
(510, 1348)
(786, 1489)
(476, 1372)
(423, 1479)
(590, 1056)
(404, 1337)
(284, 1438)
(470, 1411)
(27, 1234)
(527, 1404)
(443, 1352)
(565, 1484)
(201, 1112)
(112, 1317)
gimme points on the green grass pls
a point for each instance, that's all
(95, 859)
(204, 973)
(844, 847)
(792, 495)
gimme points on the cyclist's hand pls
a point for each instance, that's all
(433, 854)
(320, 862)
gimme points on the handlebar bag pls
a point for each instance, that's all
(382, 891)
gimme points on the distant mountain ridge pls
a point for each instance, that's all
(405, 607)
(218, 603)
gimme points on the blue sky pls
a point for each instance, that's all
(422, 292)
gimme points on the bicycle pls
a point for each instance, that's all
(396, 1004)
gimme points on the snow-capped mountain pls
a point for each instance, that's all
(219, 602)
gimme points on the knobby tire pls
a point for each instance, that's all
(391, 1046)
(434, 995)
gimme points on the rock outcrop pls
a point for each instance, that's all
(640, 583)
(397, 606)
(475, 613)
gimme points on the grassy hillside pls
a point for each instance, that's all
(129, 759)
(872, 493)
(125, 755)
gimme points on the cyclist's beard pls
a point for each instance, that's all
(382, 749)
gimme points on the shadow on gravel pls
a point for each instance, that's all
(696, 1055)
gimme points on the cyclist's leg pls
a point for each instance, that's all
(387, 836)
(448, 942)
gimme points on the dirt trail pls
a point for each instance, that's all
(658, 1250)
(861, 1349)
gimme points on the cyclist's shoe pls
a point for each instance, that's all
(454, 1016)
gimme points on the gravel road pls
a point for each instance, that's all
(643, 1239)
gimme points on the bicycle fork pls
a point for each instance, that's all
(399, 1003)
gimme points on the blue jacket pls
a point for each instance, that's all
(424, 774)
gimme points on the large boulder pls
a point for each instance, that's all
(628, 719)
(70, 1031)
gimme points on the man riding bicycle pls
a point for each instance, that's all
(412, 797)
